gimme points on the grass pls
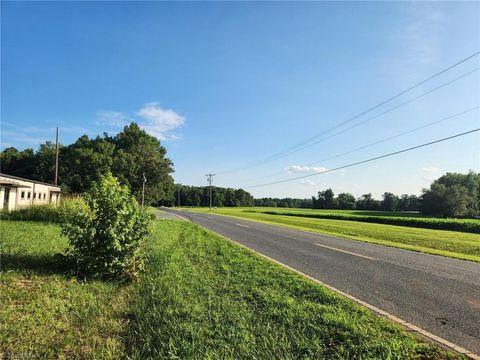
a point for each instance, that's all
(206, 298)
(201, 297)
(47, 314)
(453, 244)
(380, 217)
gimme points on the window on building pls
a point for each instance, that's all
(28, 195)
(23, 195)
(34, 195)
(44, 196)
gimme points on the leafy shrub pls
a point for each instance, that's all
(46, 213)
(462, 225)
(106, 231)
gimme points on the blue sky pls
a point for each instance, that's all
(223, 85)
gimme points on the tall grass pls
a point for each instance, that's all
(46, 213)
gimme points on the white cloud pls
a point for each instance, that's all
(297, 169)
(112, 118)
(429, 169)
(22, 138)
(307, 182)
(155, 120)
(159, 122)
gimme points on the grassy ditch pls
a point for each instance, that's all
(206, 298)
(459, 245)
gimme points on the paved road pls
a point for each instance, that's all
(438, 294)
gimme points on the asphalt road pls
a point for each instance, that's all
(439, 294)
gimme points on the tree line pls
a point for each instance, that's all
(451, 195)
(129, 155)
(185, 195)
(390, 202)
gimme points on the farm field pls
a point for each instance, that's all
(200, 297)
(455, 244)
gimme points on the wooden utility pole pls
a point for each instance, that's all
(210, 176)
(56, 159)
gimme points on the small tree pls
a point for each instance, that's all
(107, 231)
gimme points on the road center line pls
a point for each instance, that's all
(346, 252)
(243, 225)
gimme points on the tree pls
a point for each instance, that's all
(408, 203)
(452, 195)
(346, 201)
(326, 199)
(390, 202)
(18, 163)
(367, 202)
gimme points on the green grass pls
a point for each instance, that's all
(379, 217)
(201, 297)
(453, 244)
(44, 312)
(206, 298)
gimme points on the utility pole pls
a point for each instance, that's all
(178, 197)
(143, 189)
(209, 176)
(56, 159)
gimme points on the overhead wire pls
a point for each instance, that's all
(367, 160)
(309, 140)
(377, 142)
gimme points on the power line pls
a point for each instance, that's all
(368, 160)
(379, 115)
(380, 141)
(307, 141)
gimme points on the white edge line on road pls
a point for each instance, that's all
(346, 252)
(409, 327)
(243, 225)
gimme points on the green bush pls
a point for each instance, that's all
(46, 213)
(106, 232)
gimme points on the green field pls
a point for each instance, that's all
(201, 297)
(380, 217)
(460, 245)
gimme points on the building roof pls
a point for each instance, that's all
(13, 183)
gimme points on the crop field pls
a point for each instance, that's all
(411, 219)
(201, 297)
(455, 244)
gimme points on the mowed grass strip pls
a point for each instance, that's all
(204, 297)
(45, 313)
(459, 245)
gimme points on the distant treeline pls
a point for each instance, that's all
(185, 195)
(346, 201)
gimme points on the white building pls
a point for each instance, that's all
(16, 192)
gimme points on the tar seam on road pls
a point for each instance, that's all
(243, 225)
(408, 326)
(346, 252)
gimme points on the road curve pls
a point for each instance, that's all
(439, 294)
